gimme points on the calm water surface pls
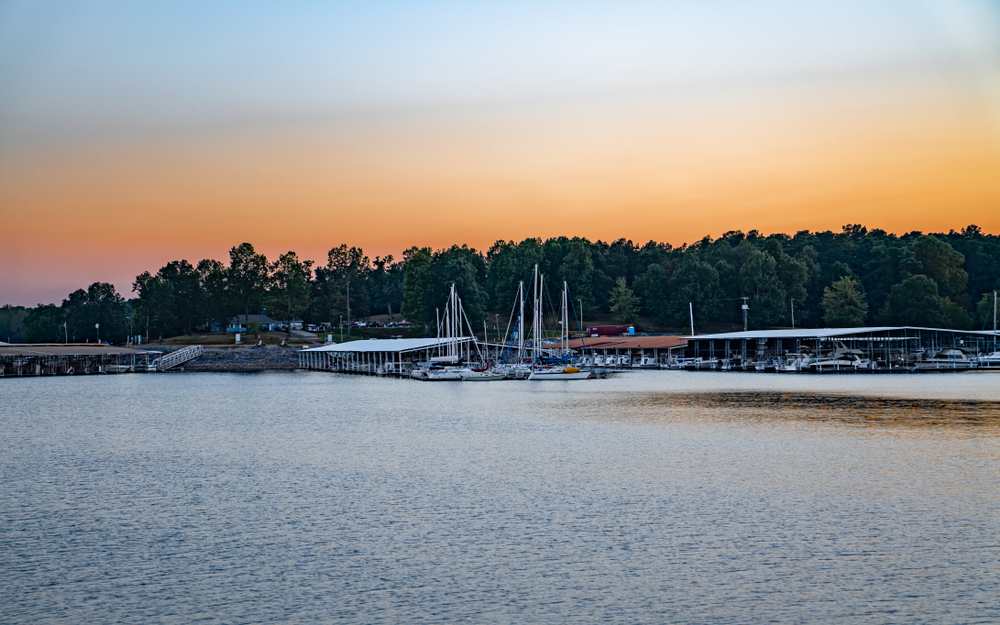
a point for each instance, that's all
(653, 497)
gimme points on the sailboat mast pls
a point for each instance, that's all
(534, 320)
(520, 323)
(565, 317)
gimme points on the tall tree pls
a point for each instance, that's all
(342, 282)
(154, 308)
(217, 302)
(100, 305)
(188, 294)
(387, 277)
(44, 324)
(695, 284)
(844, 304)
(623, 303)
(290, 287)
(915, 302)
(247, 276)
(941, 263)
(418, 304)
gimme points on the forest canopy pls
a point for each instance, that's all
(852, 277)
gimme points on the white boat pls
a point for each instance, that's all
(989, 361)
(946, 359)
(842, 360)
(482, 375)
(559, 373)
(445, 374)
(796, 362)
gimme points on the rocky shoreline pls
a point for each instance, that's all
(216, 358)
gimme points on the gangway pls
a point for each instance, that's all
(177, 358)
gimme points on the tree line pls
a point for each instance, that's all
(854, 277)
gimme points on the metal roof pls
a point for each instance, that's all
(386, 345)
(68, 350)
(814, 333)
(628, 342)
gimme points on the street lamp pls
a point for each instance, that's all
(98, 326)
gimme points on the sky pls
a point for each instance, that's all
(133, 134)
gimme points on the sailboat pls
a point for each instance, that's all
(448, 368)
(558, 372)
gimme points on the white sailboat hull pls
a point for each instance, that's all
(558, 375)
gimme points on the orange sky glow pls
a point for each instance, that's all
(902, 150)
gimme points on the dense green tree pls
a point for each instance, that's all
(757, 279)
(387, 282)
(247, 277)
(12, 328)
(44, 324)
(428, 281)
(217, 303)
(97, 313)
(915, 302)
(577, 269)
(985, 312)
(510, 264)
(342, 284)
(188, 294)
(154, 308)
(418, 302)
(623, 303)
(844, 304)
(941, 263)
(695, 284)
(289, 293)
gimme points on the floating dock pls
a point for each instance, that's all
(72, 359)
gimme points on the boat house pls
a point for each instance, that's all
(891, 348)
(385, 356)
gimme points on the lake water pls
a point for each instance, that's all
(652, 497)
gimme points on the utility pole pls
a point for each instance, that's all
(746, 309)
(793, 313)
(691, 310)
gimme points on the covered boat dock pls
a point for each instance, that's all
(385, 356)
(71, 359)
(629, 351)
(886, 348)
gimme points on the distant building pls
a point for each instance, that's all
(239, 323)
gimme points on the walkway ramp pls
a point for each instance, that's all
(175, 359)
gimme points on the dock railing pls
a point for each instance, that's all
(174, 359)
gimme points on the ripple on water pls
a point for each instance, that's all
(656, 497)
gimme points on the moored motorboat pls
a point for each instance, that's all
(559, 373)
(989, 361)
(947, 359)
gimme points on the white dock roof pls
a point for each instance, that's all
(386, 345)
(818, 333)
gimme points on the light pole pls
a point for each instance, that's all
(98, 326)
(342, 328)
(793, 313)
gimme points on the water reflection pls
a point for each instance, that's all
(778, 406)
